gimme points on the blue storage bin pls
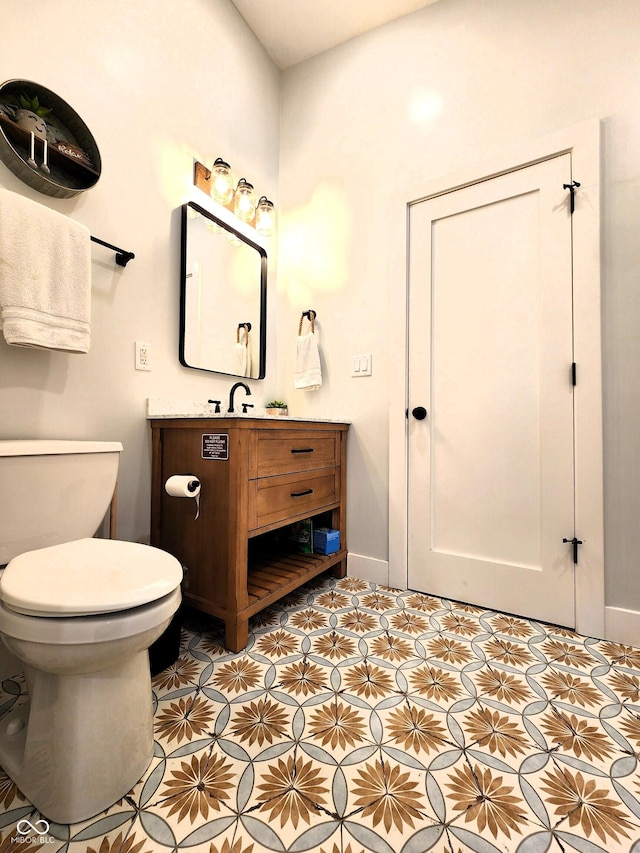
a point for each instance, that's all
(326, 540)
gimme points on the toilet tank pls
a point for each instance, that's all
(53, 491)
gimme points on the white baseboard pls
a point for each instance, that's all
(622, 626)
(368, 569)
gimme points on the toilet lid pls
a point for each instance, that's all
(88, 576)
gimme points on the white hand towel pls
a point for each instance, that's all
(240, 360)
(45, 276)
(247, 369)
(242, 353)
(307, 374)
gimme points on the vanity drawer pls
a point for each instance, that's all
(288, 451)
(275, 499)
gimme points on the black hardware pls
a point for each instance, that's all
(192, 485)
(308, 314)
(246, 406)
(419, 413)
(122, 256)
(217, 404)
(242, 325)
(575, 542)
(302, 449)
(300, 494)
(233, 391)
(574, 374)
(572, 189)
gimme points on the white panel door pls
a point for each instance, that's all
(491, 477)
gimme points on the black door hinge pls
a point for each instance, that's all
(573, 374)
(575, 542)
(572, 187)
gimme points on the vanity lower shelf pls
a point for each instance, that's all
(270, 578)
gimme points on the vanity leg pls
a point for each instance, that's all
(236, 634)
(340, 569)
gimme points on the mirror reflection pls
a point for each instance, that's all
(223, 297)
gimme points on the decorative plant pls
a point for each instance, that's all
(32, 104)
(276, 404)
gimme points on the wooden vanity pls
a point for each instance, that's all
(258, 476)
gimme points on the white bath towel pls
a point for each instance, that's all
(45, 276)
(307, 374)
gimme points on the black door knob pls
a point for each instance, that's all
(419, 413)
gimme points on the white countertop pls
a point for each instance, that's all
(158, 408)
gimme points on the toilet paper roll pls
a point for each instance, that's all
(183, 486)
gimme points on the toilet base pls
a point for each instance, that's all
(81, 742)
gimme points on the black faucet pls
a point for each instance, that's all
(233, 391)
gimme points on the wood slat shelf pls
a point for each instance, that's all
(269, 577)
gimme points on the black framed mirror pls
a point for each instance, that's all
(223, 297)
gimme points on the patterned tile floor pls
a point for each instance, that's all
(361, 718)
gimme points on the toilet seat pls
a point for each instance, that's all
(77, 630)
(88, 577)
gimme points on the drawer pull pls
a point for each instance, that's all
(302, 449)
(300, 494)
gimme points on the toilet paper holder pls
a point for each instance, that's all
(184, 486)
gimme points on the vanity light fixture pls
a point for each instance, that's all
(243, 201)
(264, 216)
(218, 183)
(221, 182)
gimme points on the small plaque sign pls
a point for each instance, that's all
(215, 445)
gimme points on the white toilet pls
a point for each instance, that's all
(80, 615)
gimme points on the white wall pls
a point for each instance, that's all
(158, 83)
(457, 82)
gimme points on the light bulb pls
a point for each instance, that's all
(264, 217)
(243, 201)
(221, 182)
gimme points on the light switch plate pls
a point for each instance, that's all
(361, 365)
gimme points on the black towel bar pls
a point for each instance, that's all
(122, 256)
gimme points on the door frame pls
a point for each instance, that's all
(582, 141)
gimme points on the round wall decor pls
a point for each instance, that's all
(45, 142)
